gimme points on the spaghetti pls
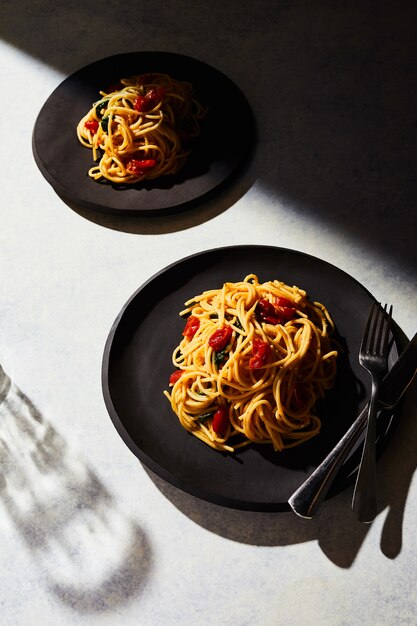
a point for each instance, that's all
(252, 363)
(141, 128)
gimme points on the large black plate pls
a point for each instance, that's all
(137, 364)
(223, 146)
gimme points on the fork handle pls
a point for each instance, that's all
(364, 502)
(306, 501)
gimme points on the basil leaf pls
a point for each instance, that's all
(205, 416)
(220, 356)
(105, 123)
(100, 105)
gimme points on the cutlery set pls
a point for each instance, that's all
(387, 390)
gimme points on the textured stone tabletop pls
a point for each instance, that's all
(89, 535)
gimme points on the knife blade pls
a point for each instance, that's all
(400, 376)
(307, 499)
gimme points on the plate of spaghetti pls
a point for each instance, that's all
(233, 372)
(142, 133)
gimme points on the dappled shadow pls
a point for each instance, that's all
(92, 556)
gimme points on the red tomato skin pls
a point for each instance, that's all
(281, 312)
(155, 95)
(150, 100)
(264, 307)
(191, 327)
(281, 301)
(140, 166)
(267, 312)
(175, 376)
(261, 351)
(284, 308)
(92, 125)
(220, 338)
(220, 421)
(141, 104)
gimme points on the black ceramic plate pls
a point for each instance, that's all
(223, 146)
(137, 364)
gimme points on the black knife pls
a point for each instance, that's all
(306, 501)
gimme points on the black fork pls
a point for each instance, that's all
(373, 356)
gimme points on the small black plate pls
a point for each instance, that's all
(226, 139)
(137, 364)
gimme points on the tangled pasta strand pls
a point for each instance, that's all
(253, 361)
(140, 129)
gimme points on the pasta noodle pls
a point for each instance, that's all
(252, 363)
(141, 128)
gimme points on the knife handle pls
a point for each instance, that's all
(307, 499)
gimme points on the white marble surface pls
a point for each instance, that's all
(96, 538)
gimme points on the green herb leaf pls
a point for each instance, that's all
(105, 123)
(205, 416)
(220, 356)
(101, 105)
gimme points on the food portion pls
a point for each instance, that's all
(141, 128)
(253, 360)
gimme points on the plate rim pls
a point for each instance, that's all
(148, 461)
(72, 196)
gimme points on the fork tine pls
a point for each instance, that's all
(365, 343)
(373, 356)
(378, 346)
(387, 330)
(374, 327)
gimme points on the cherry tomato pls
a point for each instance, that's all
(141, 104)
(140, 166)
(261, 351)
(175, 376)
(220, 338)
(155, 95)
(92, 125)
(191, 327)
(281, 301)
(149, 100)
(267, 312)
(220, 421)
(282, 311)
(284, 308)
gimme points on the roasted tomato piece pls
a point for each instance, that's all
(220, 421)
(191, 327)
(141, 104)
(220, 338)
(155, 95)
(140, 166)
(261, 351)
(175, 376)
(267, 312)
(92, 125)
(284, 308)
(149, 100)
